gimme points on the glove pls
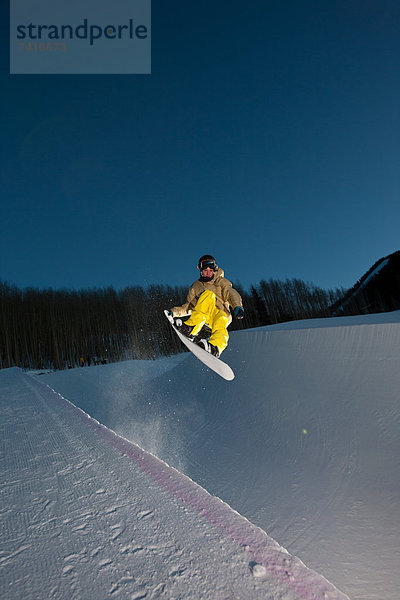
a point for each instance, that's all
(238, 312)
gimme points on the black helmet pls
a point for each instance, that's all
(207, 261)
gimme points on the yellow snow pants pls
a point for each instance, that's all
(205, 312)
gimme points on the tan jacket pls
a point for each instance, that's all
(226, 295)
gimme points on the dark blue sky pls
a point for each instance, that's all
(268, 134)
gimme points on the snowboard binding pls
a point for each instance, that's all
(204, 333)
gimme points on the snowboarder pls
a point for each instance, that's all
(208, 303)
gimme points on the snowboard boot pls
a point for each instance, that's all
(184, 329)
(209, 348)
(204, 334)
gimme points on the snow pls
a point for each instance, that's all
(87, 514)
(302, 448)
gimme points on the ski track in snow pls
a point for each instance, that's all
(304, 443)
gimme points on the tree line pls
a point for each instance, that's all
(58, 329)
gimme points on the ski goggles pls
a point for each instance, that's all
(207, 264)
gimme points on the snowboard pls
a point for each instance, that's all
(212, 362)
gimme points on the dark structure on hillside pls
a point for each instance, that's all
(377, 291)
